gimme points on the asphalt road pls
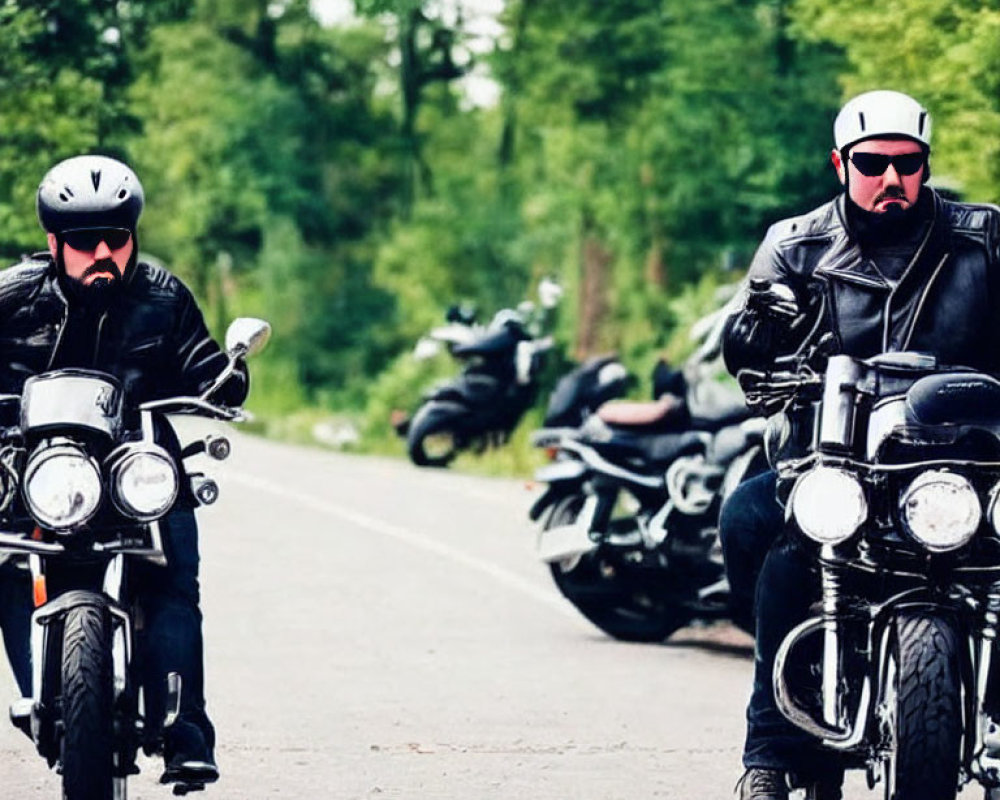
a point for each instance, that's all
(379, 631)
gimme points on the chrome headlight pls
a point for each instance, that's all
(62, 486)
(829, 504)
(143, 481)
(940, 510)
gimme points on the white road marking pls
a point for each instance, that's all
(413, 539)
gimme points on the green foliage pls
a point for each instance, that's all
(944, 54)
(342, 182)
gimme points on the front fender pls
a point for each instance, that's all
(564, 478)
(435, 415)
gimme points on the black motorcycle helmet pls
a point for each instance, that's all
(89, 192)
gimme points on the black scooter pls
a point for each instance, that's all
(482, 406)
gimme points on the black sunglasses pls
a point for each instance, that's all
(872, 164)
(88, 239)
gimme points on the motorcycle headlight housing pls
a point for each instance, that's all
(829, 504)
(994, 508)
(62, 486)
(940, 510)
(143, 481)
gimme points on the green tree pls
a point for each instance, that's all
(64, 76)
(944, 54)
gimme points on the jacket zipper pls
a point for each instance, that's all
(923, 297)
(62, 328)
(97, 337)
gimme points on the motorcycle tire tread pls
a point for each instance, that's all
(87, 697)
(929, 708)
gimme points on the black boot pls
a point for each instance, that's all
(187, 757)
(762, 784)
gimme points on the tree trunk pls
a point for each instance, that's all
(596, 263)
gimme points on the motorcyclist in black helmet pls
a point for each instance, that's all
(90, 303)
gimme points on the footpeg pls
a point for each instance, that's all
(174, 688)
(20, 714)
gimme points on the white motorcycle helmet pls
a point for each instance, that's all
(881, 113)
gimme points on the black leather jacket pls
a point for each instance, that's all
(152, 336)
(947, 301)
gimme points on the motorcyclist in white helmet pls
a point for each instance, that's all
(887, 265)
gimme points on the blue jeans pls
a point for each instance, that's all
(172, 641)
(15, 621)
(169, 597)
(775, 577)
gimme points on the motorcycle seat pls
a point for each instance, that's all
(492, 343)
(669, 412)
(654, 451)
(957, 398)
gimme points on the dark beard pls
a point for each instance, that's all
(101, 291)
(896, 223)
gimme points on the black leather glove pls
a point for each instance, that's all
(772, 301)
(759, 332)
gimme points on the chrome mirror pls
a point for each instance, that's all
(549, 293)
(246, 336)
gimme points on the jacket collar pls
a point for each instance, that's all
(844, 260)
(54, 284)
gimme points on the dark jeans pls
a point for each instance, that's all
(15, 621)
(774, 577)
(171, 624)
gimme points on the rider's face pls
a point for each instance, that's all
(890, 187)
(90, 265)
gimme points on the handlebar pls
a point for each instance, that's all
(770, 391)
(195, 405)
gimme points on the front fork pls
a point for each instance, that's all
(982, 747)
(33, 714)
(985, 749)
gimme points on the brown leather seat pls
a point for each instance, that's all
(635, 414)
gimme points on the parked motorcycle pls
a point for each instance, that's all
(630, 514)
(897, 500)
(584, 389)
(84, 481)
(499, 382)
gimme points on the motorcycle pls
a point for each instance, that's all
(584, 389)
(462, 328)
(630, 514)
(896, 500)
(483, 405)
(84, 481)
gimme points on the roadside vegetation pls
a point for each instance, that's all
(349, 180)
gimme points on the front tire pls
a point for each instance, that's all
(87, 699)
(599, 592)
(430, 440)
(928, 710)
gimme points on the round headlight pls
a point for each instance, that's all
(62, 486)
(144, 483)
(940, 510)
(829, 504)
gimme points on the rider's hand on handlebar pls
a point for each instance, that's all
(767, 392)
(774, 300)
